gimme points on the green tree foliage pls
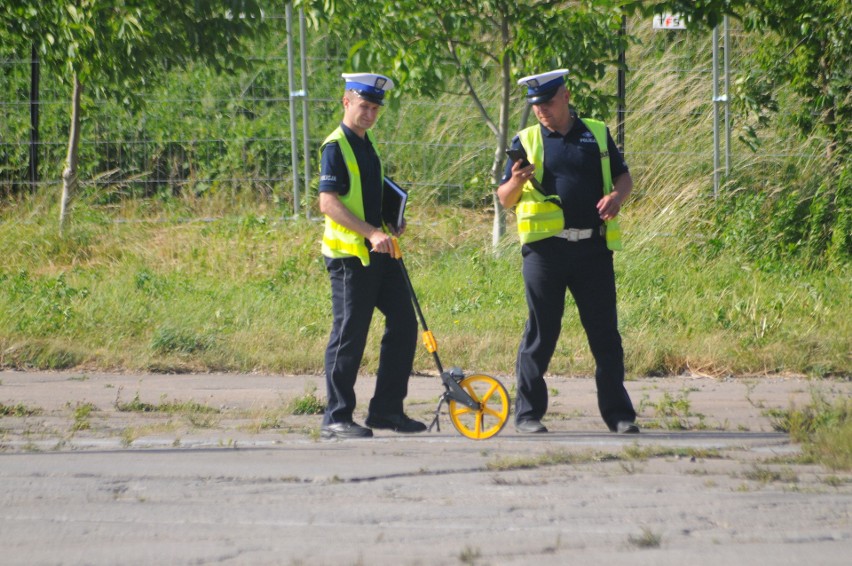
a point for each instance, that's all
(805, 48)
(114, 47)
(479, 48)
(807, 44)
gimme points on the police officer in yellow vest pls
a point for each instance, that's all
(567, 193)
(364, 277)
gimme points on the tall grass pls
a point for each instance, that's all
(248, 291)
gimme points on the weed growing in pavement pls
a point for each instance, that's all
(128, 435)
(19, 410)
(198, 415)
(273, 418)
(637, 452)
(132, 433)
(824, 429)
(307, 404)
(187, 408)
(82, 411)
(648, 539)
(629, 467)
(697, 472)
(469, 555)
(134, 406)
(314, 433)
(835, 481)
(750, 387)
(552, 458)
(264, 419)
(500, 480)
(767, 475)
(671, 413)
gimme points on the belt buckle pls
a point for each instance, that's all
(572, 235)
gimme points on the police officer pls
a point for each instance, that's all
(567, 192)
(363, 275)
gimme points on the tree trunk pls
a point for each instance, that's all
(69, 174)
(499, 229)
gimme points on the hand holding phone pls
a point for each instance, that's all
(518, 155)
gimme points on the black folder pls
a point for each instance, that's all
(394, 199)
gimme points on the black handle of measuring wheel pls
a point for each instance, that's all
(396, 253)
(428, 337)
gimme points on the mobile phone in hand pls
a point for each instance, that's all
(517, 155)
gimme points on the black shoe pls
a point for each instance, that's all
(530, 426)
(626, 427)
(396, 423)
(345, 430)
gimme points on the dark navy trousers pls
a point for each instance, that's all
(552, 267)
(356, 291)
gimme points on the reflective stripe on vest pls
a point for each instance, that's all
(613, 228)
(539, 216)
(535, 211)
(337, 240)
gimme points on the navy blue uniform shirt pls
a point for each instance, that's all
(334, 177)
(572, 170)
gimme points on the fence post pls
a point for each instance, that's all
(34, 96)
(622, 90)
(306, 142)
(727, 99)
(719, 100)
(716, 102)
(294, 153)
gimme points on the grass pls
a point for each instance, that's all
(550, 458)
(644, 453)
(174, 296)
(766, 475)
(469, 555)
(633, 453)
(198, 415)
(647, 539)
(82, 412)
(671, 412)
(307, 404)
(18, 410)
(823, 428)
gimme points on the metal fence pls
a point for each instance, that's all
(259, 131)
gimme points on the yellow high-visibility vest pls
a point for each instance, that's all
(339, 241)
(539, 215)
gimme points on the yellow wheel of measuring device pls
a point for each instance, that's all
(492, 414)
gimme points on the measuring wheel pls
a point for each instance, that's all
(492, 414)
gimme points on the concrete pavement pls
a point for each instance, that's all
(251, 484)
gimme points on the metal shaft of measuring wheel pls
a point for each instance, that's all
(419, 311)
(455, 392)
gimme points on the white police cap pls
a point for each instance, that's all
(368, 86)
(542, 87)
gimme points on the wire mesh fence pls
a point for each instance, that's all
(199, 133)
